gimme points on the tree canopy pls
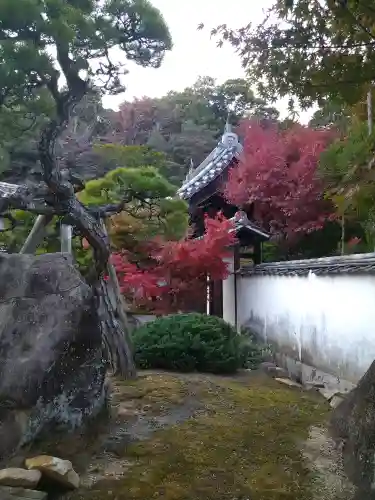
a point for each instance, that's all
(309, 50)
(347, 169)
(52, 53)
(83, 34)
(187, 125)
(183, 127)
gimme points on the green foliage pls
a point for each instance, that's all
(131, 156)
(154, 154)
(341, 160)
(150, 209)
(188, 342)
(128, 183)
(13, 240)
(193, 143)
(207, 104)
(20, 138)
(347, 170)
(332, 115)
(253, 351)
(323, 243)
(20, 125)
(134, 26)
(150, 206)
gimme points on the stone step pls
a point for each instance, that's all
(8, 493)
(289, 382)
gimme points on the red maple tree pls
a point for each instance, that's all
(173, 275)
(277, 173)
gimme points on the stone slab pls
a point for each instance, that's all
(328, 393)
(20, 478)
(289, 382)
(311, 385)
(336, 400)
(8, 493)
(307, 373)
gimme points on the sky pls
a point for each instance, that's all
(194, 53)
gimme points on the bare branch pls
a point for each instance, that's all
(25, 198)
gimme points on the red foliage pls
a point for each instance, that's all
(278, 173)
(175, 278)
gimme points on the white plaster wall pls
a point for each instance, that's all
(327, 322)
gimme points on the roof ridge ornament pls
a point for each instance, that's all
(191, 169)
(228, 126)
(229, 139)
(241, 217)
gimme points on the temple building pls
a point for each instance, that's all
(203, 190)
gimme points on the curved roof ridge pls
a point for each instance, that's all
(213, 165)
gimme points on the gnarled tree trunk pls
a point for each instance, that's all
(116, 341)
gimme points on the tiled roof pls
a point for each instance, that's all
(241, 221)
(7, 189)
(216, 162)
(345, 264)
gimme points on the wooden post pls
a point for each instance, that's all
(369, 110)
(229, 291)
(342, 246)
(66, 233)
(36, 234)
(257, 257)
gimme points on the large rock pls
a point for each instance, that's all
(353, 426)
(58, 470)
(21, 478)
(8, 493)
(51, 366)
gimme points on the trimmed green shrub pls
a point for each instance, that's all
(188, 342)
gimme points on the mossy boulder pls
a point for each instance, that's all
(52, 372)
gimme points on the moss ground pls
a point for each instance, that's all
(242, 440)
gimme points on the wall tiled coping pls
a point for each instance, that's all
(346, 264)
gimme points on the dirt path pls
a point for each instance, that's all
(325, 461)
